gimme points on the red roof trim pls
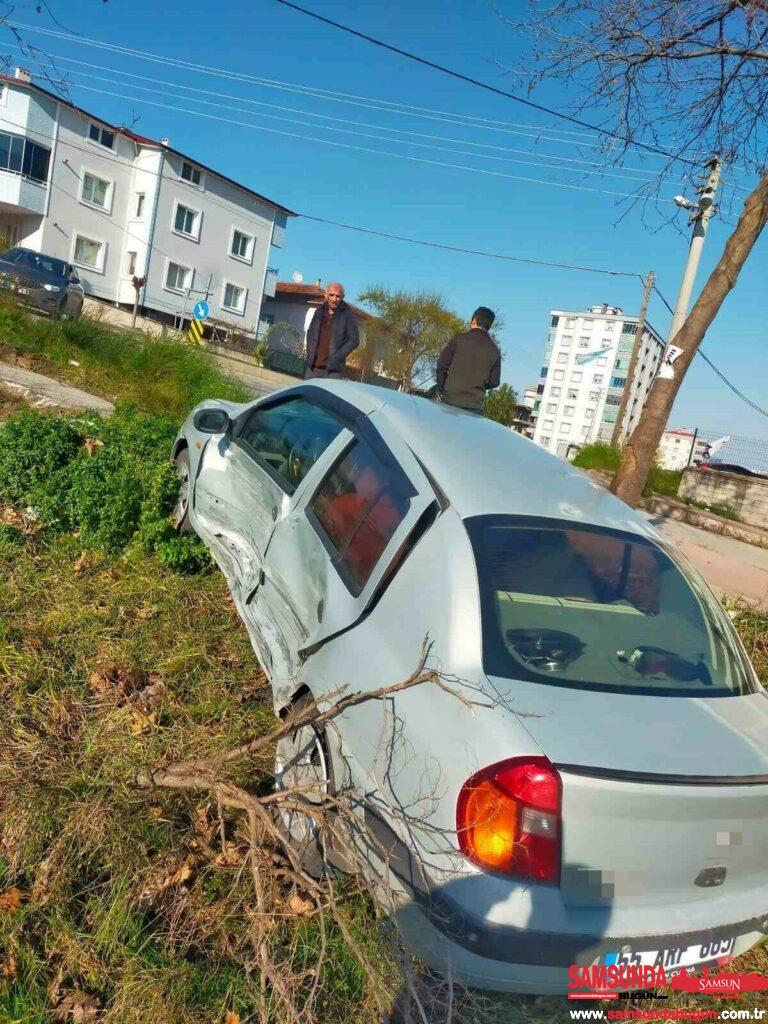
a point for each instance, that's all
(143, 141)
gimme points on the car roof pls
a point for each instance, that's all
(486, 468)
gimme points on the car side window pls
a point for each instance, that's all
(73, 275)
(288, 439)
(358, 507)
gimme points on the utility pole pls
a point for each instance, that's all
(621, 414)
(700, 217)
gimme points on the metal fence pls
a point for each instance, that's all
(731, 449)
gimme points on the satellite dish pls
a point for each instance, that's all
(298, 277)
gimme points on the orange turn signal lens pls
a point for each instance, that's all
(491, 818)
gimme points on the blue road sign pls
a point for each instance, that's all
(201, 310)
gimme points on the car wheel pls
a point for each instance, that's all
(303, 764)
(180, 515)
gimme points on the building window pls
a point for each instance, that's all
(192, 174)
(573, 394)
(618, 382)
(543, 371)
(241, 246)
(234, 298)
(609, 416)
(608, 326)
(620, 364)
(536, 406)
(602, 361)
(140, 197)
(558, 375)
(555, 321)
(554, 392)
(587, 321)
(24, 157)
(96, 191)
(565, 428)
(562, 357)
(568, 410)
(589, 414)
(101, 136)
(88, 253)
(570, 321)
(566, 340)
(585, 431)
(548, 424)
(613, 400)
(552, 408)
(597, 379)
(186, 222)
(576, 377)
(628, 328)
(177, 277)
(583, 342)
(544, 441)
(594, 396)
(130, 264)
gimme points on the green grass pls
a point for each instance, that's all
(160, 376)
(82, 842)
(607, 457)
(724, 511)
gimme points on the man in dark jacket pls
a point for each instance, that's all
(332, 334)
(470, 364)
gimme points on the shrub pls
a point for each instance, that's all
(598, 456)
(111, 482)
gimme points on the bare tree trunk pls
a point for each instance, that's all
(638, 455)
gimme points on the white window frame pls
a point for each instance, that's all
(101, 128)
(183, 234)
(177, 291)
(4, 94)
(570, 321)
(569, 410)
(602, 360)
(99, 269)
(562, 357)
(554, 392)
(139, 215)
(558, 375)
(589, 414)
(576, 376)
(565, 428)
(234, 309)
(598, 378)
(251, 245)
(544, 441)
(195, 167)
(107, 208)
(548, 424)
(566, 340)
(131, 273)
(551, 408)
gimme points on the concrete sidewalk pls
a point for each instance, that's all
(44, 392)
(729, 566)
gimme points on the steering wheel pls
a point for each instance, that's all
(545, 650)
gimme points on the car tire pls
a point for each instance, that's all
(180, 514)
(302, 760)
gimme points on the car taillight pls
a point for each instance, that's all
(508, 819)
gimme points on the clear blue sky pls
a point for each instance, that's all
(455, 206)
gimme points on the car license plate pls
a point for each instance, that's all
(674, 957)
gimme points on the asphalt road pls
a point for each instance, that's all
(729, 566)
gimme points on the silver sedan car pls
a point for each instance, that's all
(604, 800)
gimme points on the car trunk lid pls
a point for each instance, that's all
(664, 799)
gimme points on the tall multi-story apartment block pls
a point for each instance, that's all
(118, 205)
(585, 374)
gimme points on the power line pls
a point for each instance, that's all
(327, 94)
(483, 85)
(323, 220)
(470, 252)
(407, 142)
(327, 117)
(699, 351)
(377, 152)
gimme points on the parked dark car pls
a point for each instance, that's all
(44, 282)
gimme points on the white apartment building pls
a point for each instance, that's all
(118, 205)
(584, 376)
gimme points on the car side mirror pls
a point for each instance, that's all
(212, 421)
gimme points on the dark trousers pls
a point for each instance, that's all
(313, 371)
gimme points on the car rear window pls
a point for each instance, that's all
(358, 507)
(572, 605)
